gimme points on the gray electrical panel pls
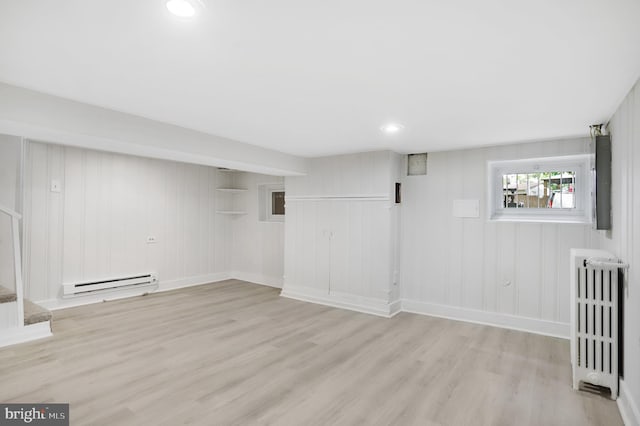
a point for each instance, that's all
(603, 182)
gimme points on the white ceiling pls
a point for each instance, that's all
(319, 78)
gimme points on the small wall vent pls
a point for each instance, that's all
(417, 164)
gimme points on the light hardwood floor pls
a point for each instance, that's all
(237, 353)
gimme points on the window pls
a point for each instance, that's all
(277, 203)
(271, 203)
(554, 189)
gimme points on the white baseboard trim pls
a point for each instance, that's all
(395, 308)
(258, 279)
(337, 300)
(55, 304)
(193, 281)
(13, 336)
(513, 322)
(628, 407)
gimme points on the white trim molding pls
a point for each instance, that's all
(579, 164)
(364, 305)
(629, 409)
(55, 304)
(193, 281)
(496, 319)
(354, 197)
(395, 308)
(13, 336)
(258, 279)
(39, 116)
(384, 309)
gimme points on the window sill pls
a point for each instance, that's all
(541, 219)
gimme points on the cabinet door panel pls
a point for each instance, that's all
(339, 250)
(322, 245)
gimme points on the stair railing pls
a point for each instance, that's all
(15, 232)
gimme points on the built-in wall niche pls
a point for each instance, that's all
(229, 202)
(271, 202)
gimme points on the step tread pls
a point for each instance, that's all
(7, 295)
(34, 313)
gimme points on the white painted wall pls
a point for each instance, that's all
(10, 153)
(397, 172)
(339, 248)
(623, 239)
(39, 116)
(98, 224)
(366, 174)
(109, 204)
(460, 267)
(257, 254)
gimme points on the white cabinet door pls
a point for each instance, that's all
(360, 250)
(339, 247)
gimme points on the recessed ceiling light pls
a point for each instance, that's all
(392, 128)
(181, 8)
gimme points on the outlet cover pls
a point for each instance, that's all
(55, 185)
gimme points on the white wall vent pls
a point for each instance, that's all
(417, 164)
(90, 287)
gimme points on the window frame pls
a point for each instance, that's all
(580, 164)
(265, 198)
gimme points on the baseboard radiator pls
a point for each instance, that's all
(111, 284)
(595, 322)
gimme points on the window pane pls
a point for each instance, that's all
(539, 190)
(552, 189)
(277, 203)
(533, 190)
(505, 191)
(510, 190)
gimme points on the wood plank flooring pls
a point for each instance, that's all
(235, 353)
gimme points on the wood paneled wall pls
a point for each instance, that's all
(343, 175)
(339, 246)
(339, 242)
(516, 269)
(109, 204)
(258, 247)
(623, 240)
(10, 187)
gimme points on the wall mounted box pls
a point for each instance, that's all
(603, 182)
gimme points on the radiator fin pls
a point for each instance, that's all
(595, 322)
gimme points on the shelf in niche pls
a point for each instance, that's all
(231, 212)
(232, 190)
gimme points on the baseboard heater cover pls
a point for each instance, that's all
(101, 285)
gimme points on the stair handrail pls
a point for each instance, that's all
(10, 212)
(15, 232)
